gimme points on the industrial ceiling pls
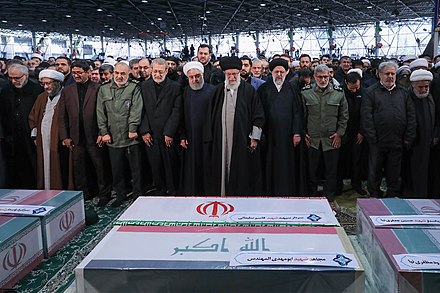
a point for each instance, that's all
(150, 19)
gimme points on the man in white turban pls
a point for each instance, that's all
(43, 122)
(416, 175)
(196, 98)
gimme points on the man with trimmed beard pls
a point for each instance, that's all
(283, 132)
(79, 133)
(389, 124)
(119, 110)
(144, 69)
(160, 122)
(232, 133)
(416, 164)
(196, 98)
(245, 73)
(326, 116)
(16, 102)
(211, 74)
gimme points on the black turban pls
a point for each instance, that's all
(278, 62)
(230, 63)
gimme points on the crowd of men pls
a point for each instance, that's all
(233, 126)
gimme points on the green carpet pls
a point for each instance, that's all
(57, 273)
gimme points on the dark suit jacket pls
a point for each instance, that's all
(69, 114)
(161, 115)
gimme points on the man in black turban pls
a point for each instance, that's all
(232, 134)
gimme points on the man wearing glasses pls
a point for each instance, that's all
(326, 117)
(16, 102)
(79, 133)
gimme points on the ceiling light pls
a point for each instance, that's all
(99, 9)
(316, 9)
(121, 33)
(298, 14)
(77, 30)
(128, 22)
(4, 21)
(246, 20)
(208, 11)
(179, 24)
(159, 18)
(109, 15)
(110, 29)
(370, 6)
(168, 11)
(44, 20)
(262, 4)
(144, 1)
(20, 24)
(152, 23)
(68, 16)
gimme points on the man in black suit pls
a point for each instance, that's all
(16, 102)
(160, 122)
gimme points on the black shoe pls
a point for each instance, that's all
(360, 191)
(117, 203)
(102, 201)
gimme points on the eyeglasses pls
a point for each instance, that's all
(16, 78)
(49, 83)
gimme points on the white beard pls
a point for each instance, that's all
(232, 86)
(159, 81)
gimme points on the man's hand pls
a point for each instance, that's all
(148, 140)
(359, 138)
(296, 139)
(184, 143)
(68, 142)
(336, 137)
(307, 138)
(132, 135)
(107, 138)
(168, 141)
(253, 145)
(99, 141)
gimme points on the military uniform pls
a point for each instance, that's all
(119, 111)
(326, 113)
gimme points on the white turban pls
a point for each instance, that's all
(193, 65)
(357, 70)
(402, 68)
(366, 61)
(409, 58)
(420, 62)
(110, 61)
(36, 55)
(421, 75)
(50, 73)
(295, 64)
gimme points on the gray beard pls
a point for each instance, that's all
(159, 81)
(278, 82)
(197, 86)
(421, 96)
(232, 86)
